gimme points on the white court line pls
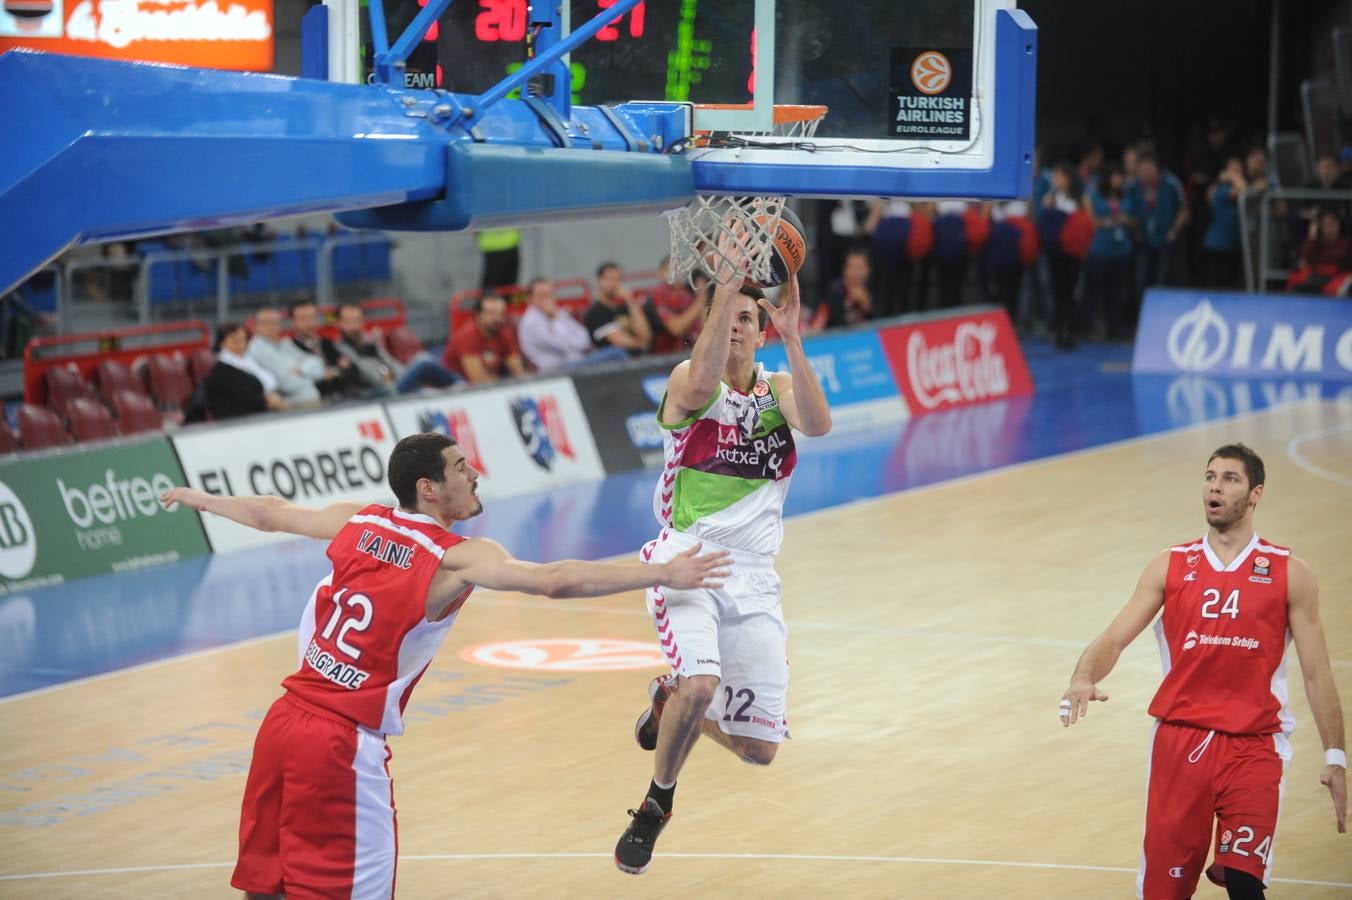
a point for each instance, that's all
(778, 857)
(853, 504)
(1299, 458)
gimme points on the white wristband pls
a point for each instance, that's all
(1335, 757)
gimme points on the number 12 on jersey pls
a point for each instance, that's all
(1211, 597)
(360, 605)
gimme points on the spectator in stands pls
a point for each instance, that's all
(1089, 165)
(501, 249)
(892, 226)
(1326, 178)
(237, 385)
(1224, 261)
(848, 299)
(1003, 264)
(674, 317)
(551, 339)
(378, 371)
(1256, 169)
(1209, 154)
(1325, 258)
(616, 317)
(340, 376)
(1156, 205)
(840, 228)
(484, 349)
(1065, 207)
(1107, 269)
(295, 370)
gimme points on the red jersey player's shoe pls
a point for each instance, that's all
(634, 852)
(659, 692)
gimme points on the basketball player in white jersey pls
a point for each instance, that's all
(730, 453)
(1228, 604)
(318, 816)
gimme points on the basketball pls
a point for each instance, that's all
(790, 247)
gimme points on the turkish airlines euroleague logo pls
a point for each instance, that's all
(931, 72)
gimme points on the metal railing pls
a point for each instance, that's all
(204, 280)
(1262, 264)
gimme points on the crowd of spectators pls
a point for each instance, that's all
(1074, 259)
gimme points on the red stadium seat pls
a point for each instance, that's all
(169, 381)
(403, 344)
(39, 427)
(9, 443)
(200, 363)
(135, 413)
(90, 420)
(114, 377)
(64, 385)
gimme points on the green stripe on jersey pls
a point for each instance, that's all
(700, 494)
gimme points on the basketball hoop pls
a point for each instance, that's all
(748, 223)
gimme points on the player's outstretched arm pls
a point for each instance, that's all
(268, 513)
(800, 392)
(693, 382)
(1308, 633)
(486, 563)
(1103, 651)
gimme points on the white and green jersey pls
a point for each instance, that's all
(728, 468)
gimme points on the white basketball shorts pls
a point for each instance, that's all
(735, 633)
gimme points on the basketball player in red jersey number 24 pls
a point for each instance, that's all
(318, 817)
(1220, 746)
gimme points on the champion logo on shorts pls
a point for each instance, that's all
(1176, 872)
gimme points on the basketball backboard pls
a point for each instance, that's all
(925, 97)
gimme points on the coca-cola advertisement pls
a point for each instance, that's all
(957, 361)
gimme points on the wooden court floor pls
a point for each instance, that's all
(932, 634)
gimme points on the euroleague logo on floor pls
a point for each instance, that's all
(568, 655)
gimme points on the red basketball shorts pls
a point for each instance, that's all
(318, 817)
(1197, 777)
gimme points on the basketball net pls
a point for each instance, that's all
(745, 226)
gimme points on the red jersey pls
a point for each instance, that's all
(493, 351)
(1223, 637)
(364, 638)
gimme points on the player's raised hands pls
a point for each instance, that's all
(1335, 779)
(1075, 702)
(689, 570)
(785, 316)
(732, 260)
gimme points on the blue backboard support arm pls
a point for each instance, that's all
(547, 29)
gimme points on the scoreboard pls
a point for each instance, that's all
(685, 50)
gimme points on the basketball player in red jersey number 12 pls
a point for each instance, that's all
(1231, 602)
(318, 817)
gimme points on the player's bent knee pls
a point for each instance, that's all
(698, 691)
(757, 753)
